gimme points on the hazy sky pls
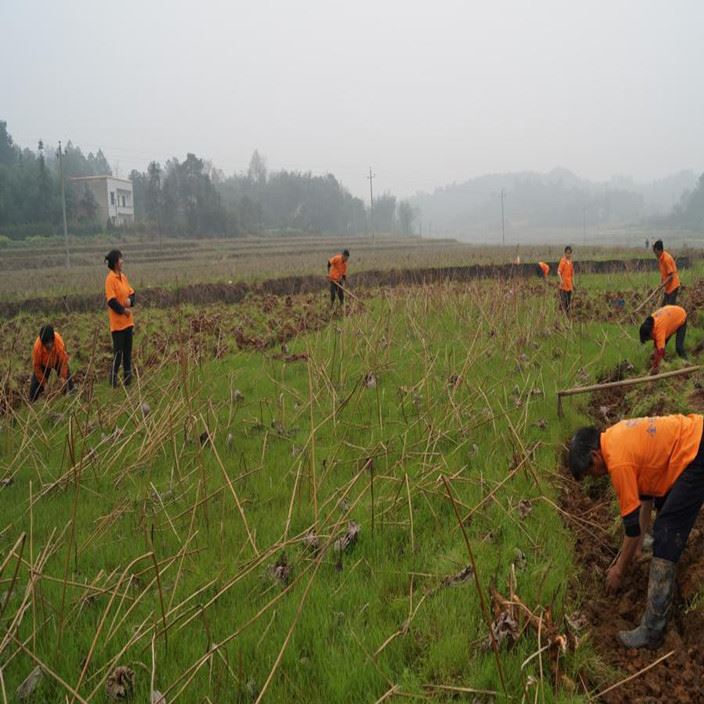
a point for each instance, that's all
(425, 92)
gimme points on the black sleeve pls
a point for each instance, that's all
(631, 523)
(116, 306)
(132, 298)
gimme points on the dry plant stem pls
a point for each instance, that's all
(597, 695)
(477, 584)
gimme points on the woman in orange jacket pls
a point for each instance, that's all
(120, 299)
(49, 352)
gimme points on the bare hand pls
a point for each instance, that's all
(127, 304)
(614, 577)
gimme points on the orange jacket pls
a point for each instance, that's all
(566, 272)
(666, 322)
(645, 456)
(43, 359)
(337, 268)
(117, 286)
(545, 268)
(667, 266)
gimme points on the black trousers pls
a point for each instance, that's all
(336, 290)
(565, 300)
(122, 356)
(678, 510)
(670, 299)
(36, 387)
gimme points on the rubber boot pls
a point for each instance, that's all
(661, 587)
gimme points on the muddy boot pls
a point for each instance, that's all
(661, 586)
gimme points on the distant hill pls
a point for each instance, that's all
(559, 198)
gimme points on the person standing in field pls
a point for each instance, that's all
(669, 277)
(120, 298)
(337, 275)
(660, 327)
(565, 273)
(49, 352)
(545, 268)
(656, 460)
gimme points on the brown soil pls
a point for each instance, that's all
(291, 285)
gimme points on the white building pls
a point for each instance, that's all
(113, 195)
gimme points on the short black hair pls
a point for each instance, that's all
(568, 248)
(658, 245)
(583, 442)
(646, 329)
(111, 258)
(345, 252)
(46, 334)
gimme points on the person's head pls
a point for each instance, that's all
(568, 252)
(658, 247)
(46, 336)
(646, 329)
(345, 254)
(585, 458)
(114, 260)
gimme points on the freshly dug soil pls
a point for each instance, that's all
(292, 285)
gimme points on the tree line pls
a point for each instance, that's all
(189, 197)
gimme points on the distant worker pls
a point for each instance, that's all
(565, 273)
(660, 460)
(647, 243)
(337, 274)
(660, 327)
(668, 274)
(545, 268)
(120, 298)
(49, 352)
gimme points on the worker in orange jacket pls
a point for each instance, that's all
(337, 275)
(669, 277)
(660, 461)
(545, 268)
(120, 298)
(565, 273)
(660, 327)
(49, 352)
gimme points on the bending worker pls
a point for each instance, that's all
(49, 352)
(669, 277)
(659, 327)
(120, 298)
(659, 459)
(565, 273)
(545, 268)
(337, 274)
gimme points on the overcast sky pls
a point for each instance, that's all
(427, 93)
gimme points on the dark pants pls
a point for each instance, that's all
(336, 290)
(565, 300)
(678, 510)
(670, 299)
(36, 387)
(679, 340)
(122, 356)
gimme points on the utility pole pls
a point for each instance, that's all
(371, 202)
(63, 205)
(503, 225)
(584, 225)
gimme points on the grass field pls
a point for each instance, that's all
(270, 513)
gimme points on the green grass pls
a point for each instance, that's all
(302, 436)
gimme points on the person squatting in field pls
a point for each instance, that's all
(545, 268)
(565, 273)
(669, 277)
(120, 298)
(656, 460)
(660, 327)
(49, 352)
(337, 275)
